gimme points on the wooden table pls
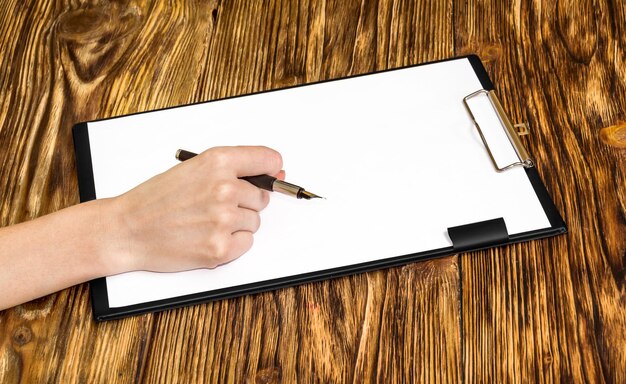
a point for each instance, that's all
(552, 310)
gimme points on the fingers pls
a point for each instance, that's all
(240, 243)
(233, 238)
(251, 197)
(237, 193)
(247, 220)
(227, 220)
(257, 161)
(245, 160)
(235, 203)
(235, 162)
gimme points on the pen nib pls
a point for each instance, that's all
(308, 195)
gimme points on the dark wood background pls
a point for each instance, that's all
(552, 310)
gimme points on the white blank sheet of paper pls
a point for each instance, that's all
(395, 155)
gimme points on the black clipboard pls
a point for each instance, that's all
(473, 236)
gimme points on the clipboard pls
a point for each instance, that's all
(447, 174)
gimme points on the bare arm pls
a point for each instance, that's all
(196, 215)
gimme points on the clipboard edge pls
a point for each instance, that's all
(473, 59)
(84, 168)
(481, 72)
(550, 209)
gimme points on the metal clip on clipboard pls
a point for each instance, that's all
(512, 134)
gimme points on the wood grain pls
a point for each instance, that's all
(546, 311)
(554, 310)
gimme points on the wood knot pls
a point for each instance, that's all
(488, 52)
(267, 375)
(289, 80)
(94, 38)
(22, 335)
(547, 359)
(614, 135)
(36, 309)
(432, 269)
(578, 28)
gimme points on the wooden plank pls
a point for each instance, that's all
(550, 310)
(401, 324)
(553, 310)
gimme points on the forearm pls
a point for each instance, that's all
(56, 251)
(153, 227)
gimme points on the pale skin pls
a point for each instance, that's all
(196, 215)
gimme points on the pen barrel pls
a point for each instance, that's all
(261, 181)
(183, 155)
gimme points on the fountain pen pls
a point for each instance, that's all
(266, 182)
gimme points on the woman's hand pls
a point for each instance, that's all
(198, 214)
